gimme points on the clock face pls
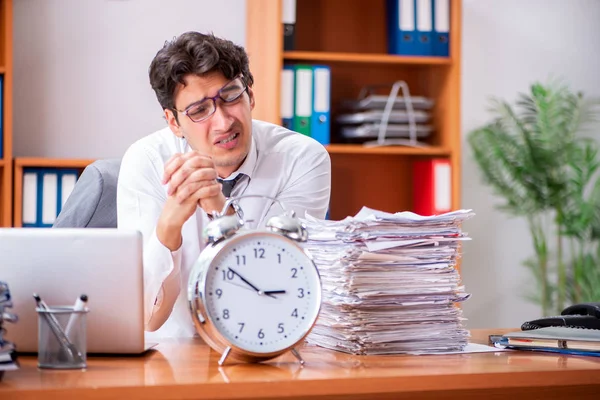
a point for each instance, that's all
(262, 292)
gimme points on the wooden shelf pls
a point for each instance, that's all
(35, 162)
(51, 162)
(392, 150)
(6, 68)
(351, 38)
(364, 58)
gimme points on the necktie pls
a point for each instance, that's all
(229, 184)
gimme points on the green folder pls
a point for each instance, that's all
(304, 98)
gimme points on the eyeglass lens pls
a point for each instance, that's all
(228, 94)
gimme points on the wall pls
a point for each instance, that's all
(507, 45)
(81, 69)
(81, 90)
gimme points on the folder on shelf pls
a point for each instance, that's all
(48, 189)
(45, 191)
(402, 34)
(432, 186)
(30, 199)
(320, 120)
(441, 28)
(303, 98)
(287, 97)
(288, 17)
(424, 18)
(66, 184)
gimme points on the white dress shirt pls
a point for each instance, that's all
(282, 164)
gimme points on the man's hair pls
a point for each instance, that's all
(197, 54)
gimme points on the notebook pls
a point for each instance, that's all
(62, 264)
(555, 338)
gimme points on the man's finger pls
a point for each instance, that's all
(171, 166)
(188, 173)
(184, 164)
(189, 189)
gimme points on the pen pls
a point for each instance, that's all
(68, 347)
(74, 318)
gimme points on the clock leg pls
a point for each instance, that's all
(297, 355)
(224, 356)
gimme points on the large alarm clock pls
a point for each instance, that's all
(254, 294)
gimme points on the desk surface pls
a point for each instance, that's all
(188, 369)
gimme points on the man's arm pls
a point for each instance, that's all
(140, 201)
(157, 200)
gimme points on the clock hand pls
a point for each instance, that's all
(268, 292)
(247, 282)
(239, 285)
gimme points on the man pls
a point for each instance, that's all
(169, 181)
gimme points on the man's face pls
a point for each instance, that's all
(226, 135)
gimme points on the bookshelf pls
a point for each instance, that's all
(20, 164)
(351, 38)
(6, 68)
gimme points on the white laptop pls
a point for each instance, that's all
(60, 265)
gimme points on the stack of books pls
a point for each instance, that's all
(8, 354)
(390, 283)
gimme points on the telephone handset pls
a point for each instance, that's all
(584, 315)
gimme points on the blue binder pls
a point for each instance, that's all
(32, 198)
(424, 26)
(441, 28)
(401, 22)
(320, 118)
(65, 184)
(45, 196)
(49, 195)
(287, 97)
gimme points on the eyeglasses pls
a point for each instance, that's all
(229, 94)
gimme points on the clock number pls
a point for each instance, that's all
(294, 272)
(261, 334)
(300, 293)
(219, 292)
(225, 313)
(280, 328)
(259, 253)
(228, 275)
(241, 324)
(241, 260)
(295, 313)
(279, 258)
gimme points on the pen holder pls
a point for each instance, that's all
(62, 338)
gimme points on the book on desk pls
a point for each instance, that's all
(558, 339)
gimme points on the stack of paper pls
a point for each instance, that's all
(389, 282)
(361, 118)
(8, 355)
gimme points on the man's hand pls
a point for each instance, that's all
(192, 182)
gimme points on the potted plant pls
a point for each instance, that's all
(536, 158)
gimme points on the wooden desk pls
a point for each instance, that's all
(187, 369)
